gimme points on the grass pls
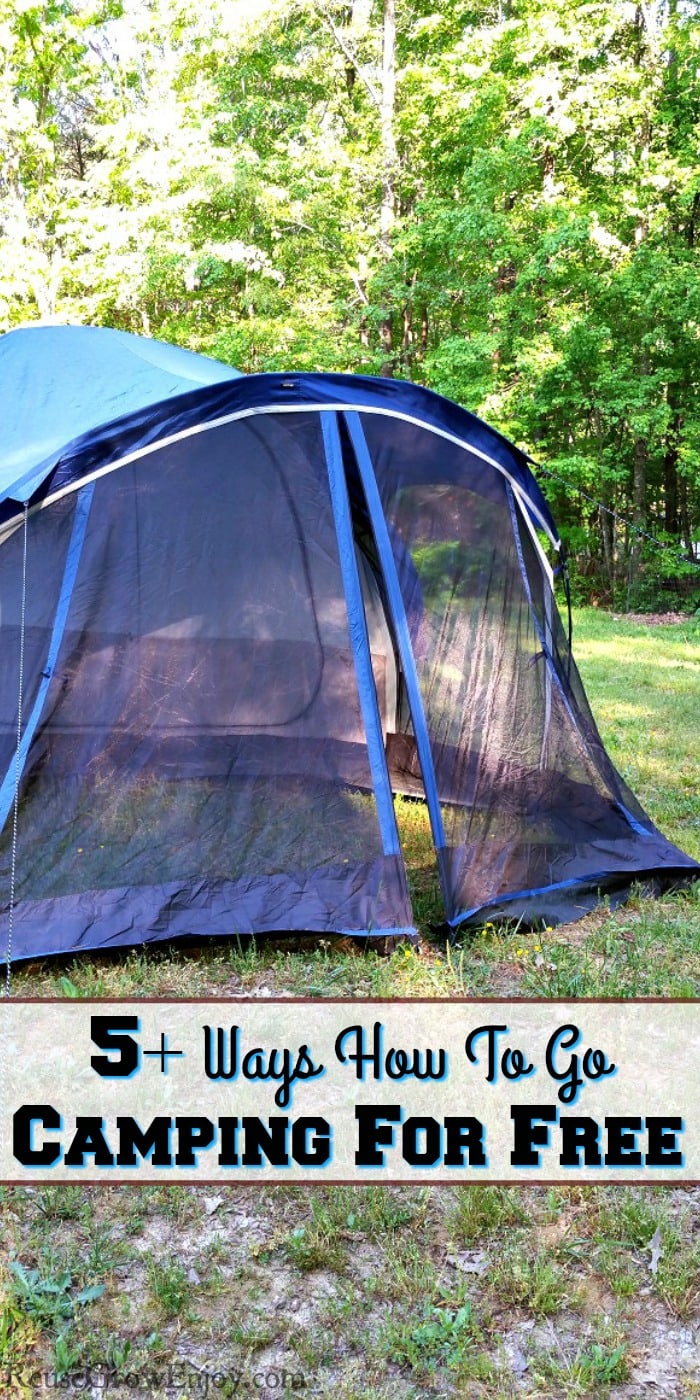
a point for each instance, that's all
(643, 683)
(442, 1335)
(480, 1212)
(396, 1293)
(592, 1370)
(169, 1286)
(537, 1282)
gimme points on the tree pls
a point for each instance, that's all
(500, 199)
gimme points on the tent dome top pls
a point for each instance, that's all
(58, 382)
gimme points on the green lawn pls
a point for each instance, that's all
(644, 686)
(387, 1293)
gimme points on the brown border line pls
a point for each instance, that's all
(352, 1001)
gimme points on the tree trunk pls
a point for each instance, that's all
(639, 495)
(639, 488)
(389, 165)
(671, 465)
(684, 517)
(639, 484)
(607, 539)
(389, 154)
(424, 330)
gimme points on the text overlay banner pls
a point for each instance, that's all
(321, 1091)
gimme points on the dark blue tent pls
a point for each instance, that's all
(236, 613)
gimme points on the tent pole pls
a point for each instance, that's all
(359, 637)
(400, 621)
(11, 781)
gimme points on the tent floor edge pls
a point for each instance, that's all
(572, 900)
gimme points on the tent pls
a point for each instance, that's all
(237, 613)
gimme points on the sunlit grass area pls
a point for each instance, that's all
(643, 682)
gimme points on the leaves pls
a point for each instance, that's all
(215, 176)
(50, 1299)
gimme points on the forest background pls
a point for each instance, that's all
(499, 199)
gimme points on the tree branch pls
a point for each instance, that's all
(350, 55)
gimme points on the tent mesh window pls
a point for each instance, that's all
(529, 799)
(48, 539)
(202, 739)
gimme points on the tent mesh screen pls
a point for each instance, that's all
(197, 758)
(201, 756)
(529, 798)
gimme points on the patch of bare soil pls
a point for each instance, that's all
(668, 619)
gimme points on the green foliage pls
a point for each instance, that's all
(517, 226)
(538, 1283)
(18, 1335)
(169, 1286)
(483, 1211)
(441, 1336)
(591, 1371)
(50, 1300)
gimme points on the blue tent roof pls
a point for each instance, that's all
(73, 398)
(58, 382)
